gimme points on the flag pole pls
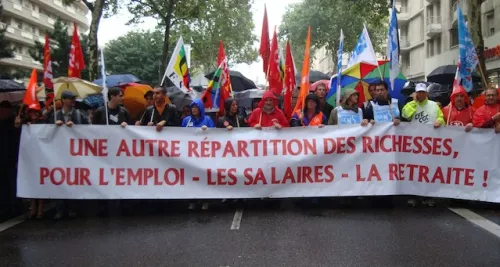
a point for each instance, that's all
(105, 87)
(483, 77)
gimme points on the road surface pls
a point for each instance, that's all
(260, 233)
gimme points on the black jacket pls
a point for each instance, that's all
(232, 121)
(170, 115)
(121, 114)
(368, 108)
(77, 117)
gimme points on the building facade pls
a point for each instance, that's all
(27, 21)
(429, 36)
(323, 60)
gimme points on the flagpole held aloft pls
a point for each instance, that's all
(104, 86)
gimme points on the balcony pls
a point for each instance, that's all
(21, 36)
(433, 26)
(403, 15)
(23, 61)
(404, 45)
(22, 13)
(65, 12)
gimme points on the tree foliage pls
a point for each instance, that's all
(327, 17)
(137, 52)
(5, 50)
(60, 45)
(203, 23)
(98, 8)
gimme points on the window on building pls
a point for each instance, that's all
(18, 49)
(453, 38)
(494, 78)
(429, 12)
(430, 48)
(18, 24)
(438, 45)
(490, 24)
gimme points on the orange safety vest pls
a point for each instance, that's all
(315, 121)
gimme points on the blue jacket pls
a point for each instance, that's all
(189, 121)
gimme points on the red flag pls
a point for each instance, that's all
(30, 98)
(76, 62)
(47, 64)
(224, 79)
(264, 50)
(289, 81)
(275, 83)
(304, 82)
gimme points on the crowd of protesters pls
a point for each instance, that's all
(266, 113)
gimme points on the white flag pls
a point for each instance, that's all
(363, 52)
(178, 68)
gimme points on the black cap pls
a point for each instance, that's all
(68, 95)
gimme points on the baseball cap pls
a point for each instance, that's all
(421, 87)
(68, 95)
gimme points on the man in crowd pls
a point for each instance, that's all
(311, 115)
(488, 116)
(372, 88)
(348, 112)
(231, 118)
(117, 115)
(149, 97)
(268, 114)
(150, 101)
(459, 111)
(321, 93)
(382, 104)
(67, 115)
(160, 114)
(422, 110)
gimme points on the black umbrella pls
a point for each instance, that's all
(446, 75)
(439, 93)
(238, 81)
(179, 98)
(10, 86)
(314, 76)
(246, 98)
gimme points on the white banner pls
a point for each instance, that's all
(109, 162)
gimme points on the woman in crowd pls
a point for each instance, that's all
(34, 116)
(311, 115)
(232, 118)
(198, 119)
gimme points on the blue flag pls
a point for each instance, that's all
(393, 47)
(467, 52)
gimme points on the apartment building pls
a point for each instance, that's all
(429, 36)
(28, 20)
(323, 61)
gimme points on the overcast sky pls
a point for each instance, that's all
(108, 30)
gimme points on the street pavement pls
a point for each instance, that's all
(259, 233)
